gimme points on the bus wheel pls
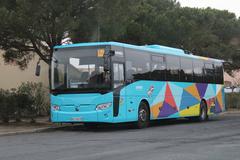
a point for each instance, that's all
(202, 115)
(203, 112)
(143, 116)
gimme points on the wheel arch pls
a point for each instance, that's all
(146, 102)
(205, 101)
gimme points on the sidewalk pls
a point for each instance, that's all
(232, 111)
(42, 124)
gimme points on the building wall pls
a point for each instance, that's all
(11, 76)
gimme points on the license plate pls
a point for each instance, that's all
(76, 118)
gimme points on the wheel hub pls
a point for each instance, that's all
(203, 115)
(142, 115)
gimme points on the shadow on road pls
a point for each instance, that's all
(131, 126)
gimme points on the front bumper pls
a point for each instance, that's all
(76, 117)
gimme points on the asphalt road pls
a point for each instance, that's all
(217, 139)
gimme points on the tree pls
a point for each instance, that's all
(205, 32)
(30, 27)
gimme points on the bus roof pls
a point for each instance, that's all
(151, 48)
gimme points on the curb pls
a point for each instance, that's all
(231, 112)
(37, 130)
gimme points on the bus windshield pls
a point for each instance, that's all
(79, 70)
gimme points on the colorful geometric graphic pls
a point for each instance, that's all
(201, 87)
(183, 99)
(167, 110)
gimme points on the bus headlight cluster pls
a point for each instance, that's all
(56, 108)
(103, 106)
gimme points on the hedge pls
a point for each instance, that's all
(29, 100)
(232, 100)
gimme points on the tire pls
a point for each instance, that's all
(202, 115)
(143, 116)
(203, 112)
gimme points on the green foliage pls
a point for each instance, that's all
(233, 101)
(37, 26)
(38, 99)
(29, 100)
(6, 105)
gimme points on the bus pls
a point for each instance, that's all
(112, 82)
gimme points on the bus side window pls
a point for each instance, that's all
(158, 68)
(198, 71)
(219, 73)
(186, 73)
(209, 73)
(137, 65)
(173, 66)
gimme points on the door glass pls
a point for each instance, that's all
(118, 74)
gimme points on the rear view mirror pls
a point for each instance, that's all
(38, 69)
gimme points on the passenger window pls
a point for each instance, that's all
(219, 73)
(173, 66)
(198, 71)
(137, 65)
(158, 68)
(209, 73)
(186, 73)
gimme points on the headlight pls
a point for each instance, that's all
(103, 106)
(56, 108)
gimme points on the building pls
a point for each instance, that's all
(12, 76)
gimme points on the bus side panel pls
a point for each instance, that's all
(138, 91)
(189, 101)
(214, 96)
(134, 93)
(176, 99)
(172, 99)
(219, 99)
(223, 99)
(182, 99)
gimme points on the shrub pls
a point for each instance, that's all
(7, 105)
(36, 99)
(28, 100)
(233, 100)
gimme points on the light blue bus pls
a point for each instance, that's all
(111, 82)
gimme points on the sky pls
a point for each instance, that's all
(230, 5)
